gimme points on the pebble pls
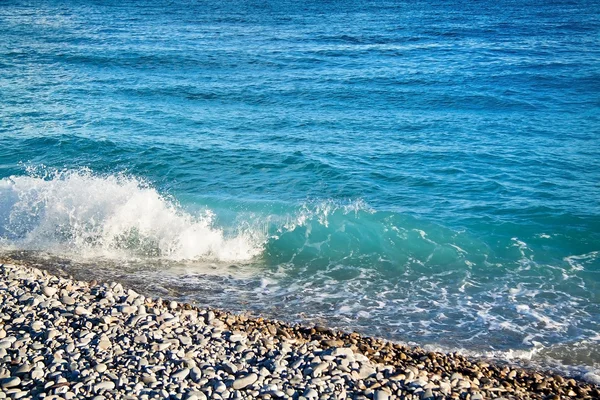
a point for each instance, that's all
(428, 395)
(365, 371)
(196, 395)
(37, 326)
(381, 395)
(129, 309)
(181, 375)
(104, 345)
(37, 373)
(49, 291)
(319, 368)
(196, 374)
(141, 339)
(11, 382)
(146, 348)
(245, 381)
(23, 369)
(184, 340)
(81, 311)
(105, 385)
(100, 368)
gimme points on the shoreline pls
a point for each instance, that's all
(186, 352)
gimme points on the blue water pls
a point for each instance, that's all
(424, 171)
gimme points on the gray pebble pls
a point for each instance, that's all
(245, 381)
(11, 382)
(181, 375)
(381, 395)
(105, 385)
(100, 368)
(49, 291)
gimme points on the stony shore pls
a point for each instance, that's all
(62, 338)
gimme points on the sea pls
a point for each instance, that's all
(427, 172)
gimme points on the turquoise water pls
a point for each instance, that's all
(426, 172)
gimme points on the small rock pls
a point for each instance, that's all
(140, 339)
(428, 395)
(37, 373)
(319, 369)
(245, 381)
(196, 395)
(23, 369)
(381, 395)
(184, 340)
(104, 345)
(129, 309)
(100, 368)
(181, 375)
(148, 379)
(365, 371)
(37, 326)
(81, 311)
(342, 351)
(49, 291)
(236, 338)
(11, 382)
(229, 368)
(196, 374)
(106, 385)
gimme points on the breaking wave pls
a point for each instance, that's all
(111, 216)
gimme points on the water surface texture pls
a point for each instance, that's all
(423, 171)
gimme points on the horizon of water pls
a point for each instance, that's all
(427, 172)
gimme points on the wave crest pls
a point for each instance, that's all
(111, 216)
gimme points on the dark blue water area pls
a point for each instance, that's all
(416, 170)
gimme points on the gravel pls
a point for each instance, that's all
(62, 338)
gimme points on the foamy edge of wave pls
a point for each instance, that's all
(112, 216)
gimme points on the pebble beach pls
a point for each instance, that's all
(63, 339)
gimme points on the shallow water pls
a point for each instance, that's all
(425, 172)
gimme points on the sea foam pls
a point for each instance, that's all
(111, 216)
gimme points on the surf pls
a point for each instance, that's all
(114, 216)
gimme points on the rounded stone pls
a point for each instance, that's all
(245, 381)
(105, 385)
(49, 291)
(7, 383)
(100, 368)
(37, 373)
(381, 395)
(81, 311)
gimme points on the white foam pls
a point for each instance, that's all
(592, 377)
(578, 262)
(547, 322)
(321, 212)
(111, 216)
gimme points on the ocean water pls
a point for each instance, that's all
(423, 171)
